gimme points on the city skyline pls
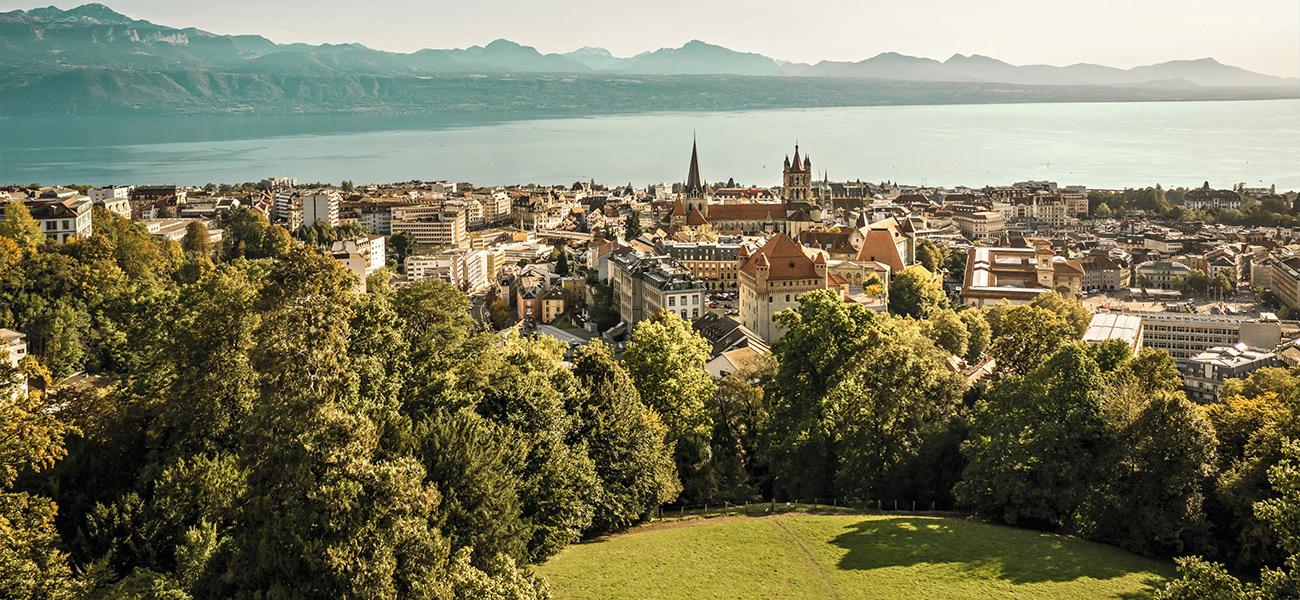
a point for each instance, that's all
(1109, 32)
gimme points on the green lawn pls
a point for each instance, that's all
(847, 556)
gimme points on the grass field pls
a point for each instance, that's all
(847, 557)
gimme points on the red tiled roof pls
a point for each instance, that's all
(747, 212)
(880, 246)
(785, 258)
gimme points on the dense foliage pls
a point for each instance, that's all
(254, 427)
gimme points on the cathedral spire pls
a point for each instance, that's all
(694, 181)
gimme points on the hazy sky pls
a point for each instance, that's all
(1260, 35)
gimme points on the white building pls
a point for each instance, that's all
(61, 219)
(370, 247)
(321, 206)
(432, 225)
(115, 198)
(14, 349)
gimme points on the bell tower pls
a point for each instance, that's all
(796, 181)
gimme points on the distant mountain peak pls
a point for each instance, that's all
(93, 11)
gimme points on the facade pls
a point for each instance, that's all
(146, 201)
(61, 219)
(1104, 273)
(13, 348)
(432, 225)
(1279, 275)
(713, 263)
(980, 224)
(321, 206)
(1018, 275)
(644, 284)
(114, 198)
(1163, 274)
(1204, 197)
(772, 279)
(371, 247)
(1186, 335)
(1206, 372)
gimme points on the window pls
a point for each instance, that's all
(695, 313)
(672, 301)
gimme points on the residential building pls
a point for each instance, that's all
(1204, 197)
(148, 201)
(643, 284)
(62, 218)
(980, 224)
(284, 203)
(713, 263)
(1104, 273)
(1206, 372)
(432, 225)
(321, 206)
(371, 247)
(13, 344)
(114, 198)
(1018, 275)
(541, 304)
(13, 348)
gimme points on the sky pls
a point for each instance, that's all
(1260, 35)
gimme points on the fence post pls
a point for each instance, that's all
(914, 506)
(895, 505)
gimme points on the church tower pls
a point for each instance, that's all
(796, 182)
(695, 193)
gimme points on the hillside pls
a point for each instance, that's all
(846, 557)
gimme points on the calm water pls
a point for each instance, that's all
(1099, 145)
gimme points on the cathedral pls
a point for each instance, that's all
(795, 213)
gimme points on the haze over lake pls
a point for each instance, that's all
(1101, 145)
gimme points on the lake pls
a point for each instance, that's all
(1101, 145)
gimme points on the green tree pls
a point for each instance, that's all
(562, 264)
(625, 440)
(948, 331)
(19, 226)
(665, 359)
(1196, 281)
(197, 239)
(1027, 336)
(403, 244)
(276, 242)
(915, 293)
(1075, 315)
(1033, 443)
(1102, 210)
(327, 512)
(929, 256)
(632, 226)
(978, 334)
(850, 402)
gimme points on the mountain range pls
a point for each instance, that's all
(105, 57)
(93, 35)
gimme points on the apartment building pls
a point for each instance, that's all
(432, 225)
(62, 218)
(372, 248)
(1206, 372)
(980, 224)
(1186, 335)
(713, 263)
(644, 284)
(321, 206)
